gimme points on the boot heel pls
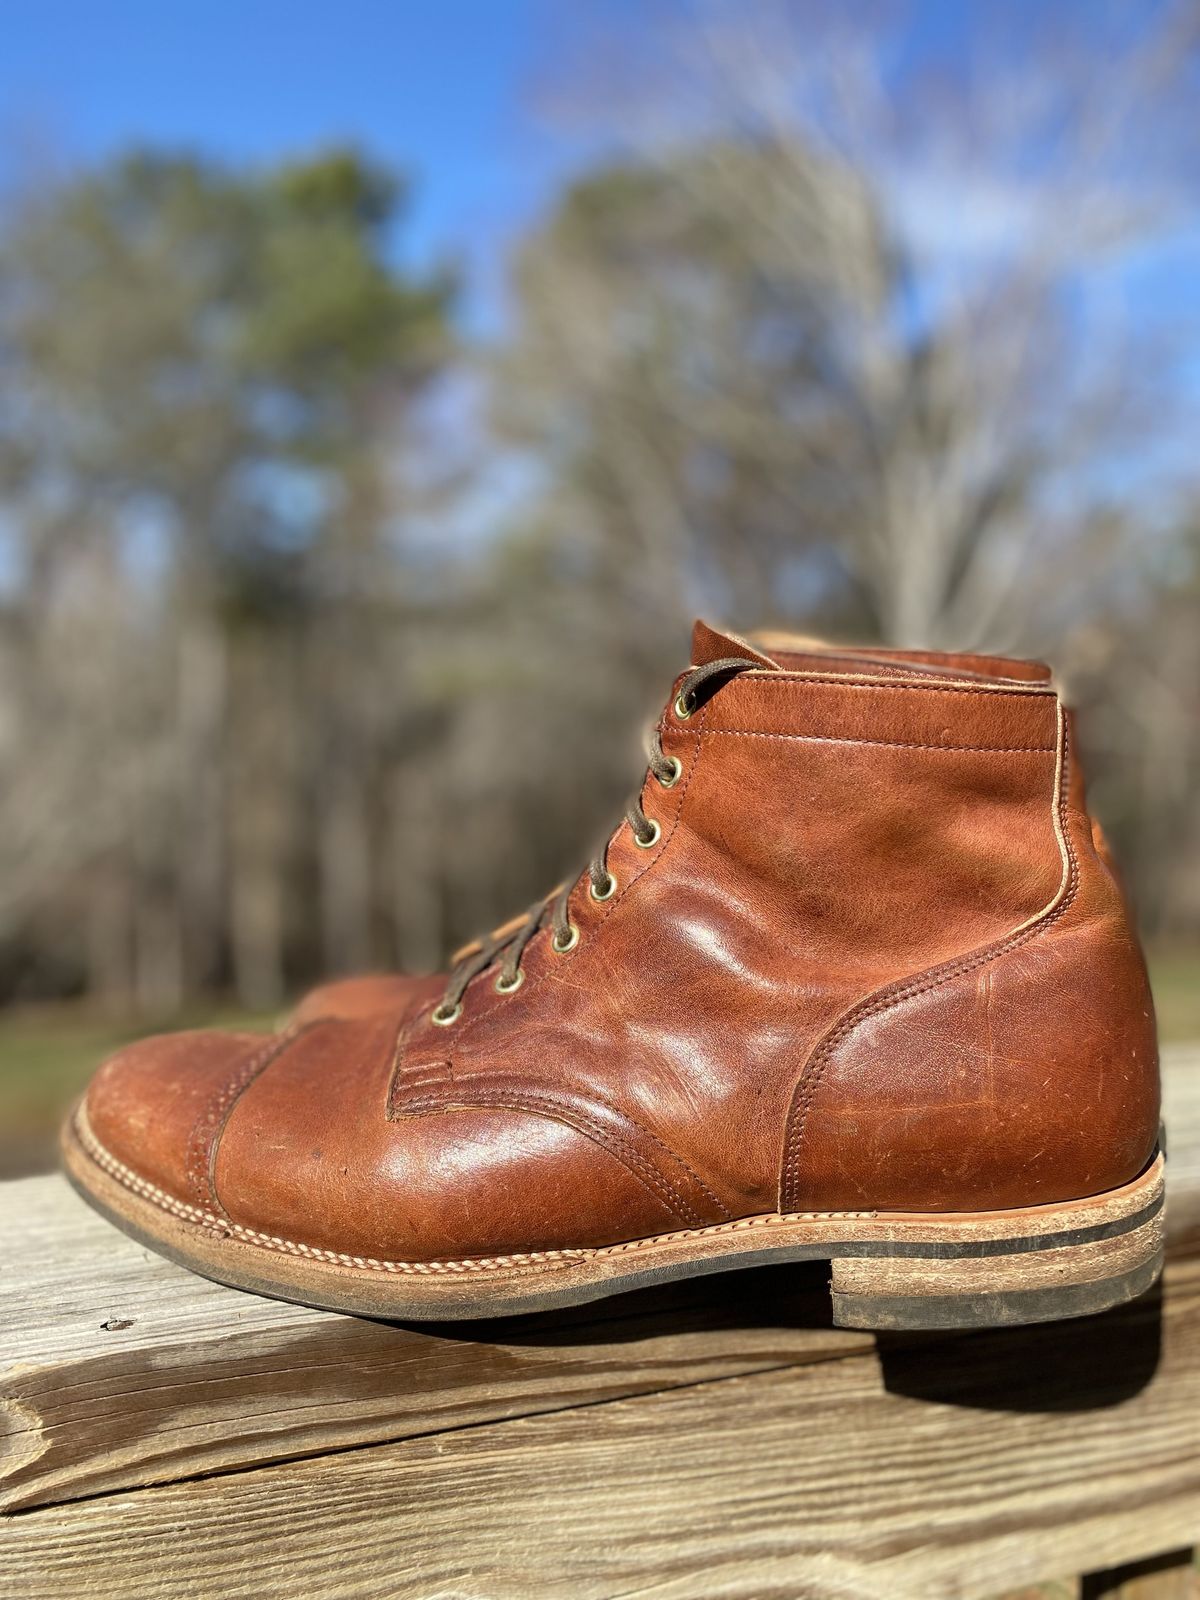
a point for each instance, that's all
(1063, 1263)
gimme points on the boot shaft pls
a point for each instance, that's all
(879, 822)
(874, 935)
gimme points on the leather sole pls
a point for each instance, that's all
(890, 1270)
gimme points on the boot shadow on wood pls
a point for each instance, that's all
(1085, 1364)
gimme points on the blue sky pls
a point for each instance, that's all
(448, 91)
(452, 92)
(444, 90)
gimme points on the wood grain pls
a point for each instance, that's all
(954, 1468)
(160, 1375)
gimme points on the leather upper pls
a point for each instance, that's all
(874, 960)
(364, 996)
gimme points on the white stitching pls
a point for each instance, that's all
(208, 1219)
(887, 744)
(760, 677)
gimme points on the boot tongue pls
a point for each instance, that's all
(715, 644)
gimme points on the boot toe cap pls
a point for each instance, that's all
(145, 1102)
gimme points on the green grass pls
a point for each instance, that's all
(47, 1055)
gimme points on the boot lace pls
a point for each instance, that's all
(511, 941)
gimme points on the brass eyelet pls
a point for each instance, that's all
(607, 892)
(676, 773)
(682, 710)
(655, 836)
(572, 940)
(442, 1018)
(514, 983)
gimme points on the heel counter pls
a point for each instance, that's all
(1114, 929)
(1025, 1076)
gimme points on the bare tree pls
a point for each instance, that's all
(955, 251)
(841, 335)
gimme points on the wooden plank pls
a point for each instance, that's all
(958, 1468)
(120, 1369)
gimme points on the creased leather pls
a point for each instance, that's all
(875, 960)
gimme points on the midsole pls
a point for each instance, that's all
(893, 1234)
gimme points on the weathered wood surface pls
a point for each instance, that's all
(123, 1369)
(713, 1439)
(916, 1472)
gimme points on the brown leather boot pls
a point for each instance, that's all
(369, 994)
(853, 982)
